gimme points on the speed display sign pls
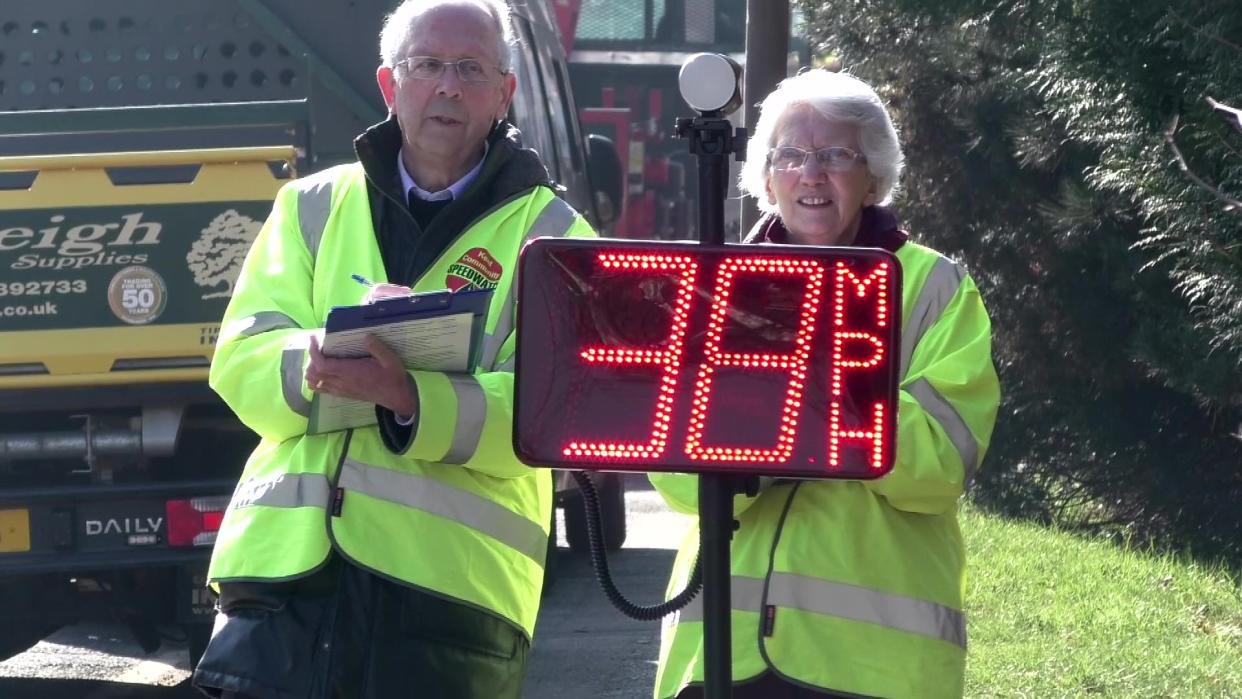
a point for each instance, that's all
(647, 356)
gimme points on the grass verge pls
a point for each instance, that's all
(1056, 615)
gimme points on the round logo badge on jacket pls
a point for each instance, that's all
(476, 269)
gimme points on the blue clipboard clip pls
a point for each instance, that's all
(428, 304)
(414, 304)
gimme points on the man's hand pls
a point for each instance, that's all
(384, 291)
(380, 379)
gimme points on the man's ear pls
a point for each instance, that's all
(387, 85)
(767, 187)
(508, 87)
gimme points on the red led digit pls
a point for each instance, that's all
(668, 358)
(872, 439)
(795, 363)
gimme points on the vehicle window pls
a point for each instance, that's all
(529, 110)
(568, 115)
(558, 109)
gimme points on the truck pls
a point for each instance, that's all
(624, 61)
(141, 145)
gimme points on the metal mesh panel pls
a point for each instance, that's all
(65, 54)
(718, 25)
(618, 20)
(58, 55)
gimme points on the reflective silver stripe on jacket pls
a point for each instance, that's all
(942, 283)
(266, 321)
(938, 291)
(314, 205)
(494, 340)
(808, 594)
(432, 496)
(943, 412)
(471, 414)
(291, 376)
(284, 490)
(745, 595)
(554, 221)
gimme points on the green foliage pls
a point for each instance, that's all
(1035, 133)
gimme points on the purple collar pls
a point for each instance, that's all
(878, 228)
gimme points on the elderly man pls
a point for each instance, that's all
(367, 562)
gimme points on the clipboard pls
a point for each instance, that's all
(431, 331)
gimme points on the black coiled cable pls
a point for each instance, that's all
(599, 559)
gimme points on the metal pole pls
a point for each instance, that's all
(767, 51)
(69, 444)
(715, 532)
(713, 171)
(715, 492)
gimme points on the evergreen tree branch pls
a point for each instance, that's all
(1202, 32)
(1222, 143)
(1224, 252)
(1169, 138)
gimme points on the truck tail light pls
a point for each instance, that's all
(195, 522)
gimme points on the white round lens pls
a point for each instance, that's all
(708, 81)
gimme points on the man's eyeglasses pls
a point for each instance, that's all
(832, 159)
(469, 70)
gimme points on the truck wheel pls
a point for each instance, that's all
(32, 608)
(611, 491)
(19, 639)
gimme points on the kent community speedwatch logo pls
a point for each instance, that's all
(477, 269)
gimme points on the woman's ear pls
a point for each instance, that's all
(872, 197)
(767, 187)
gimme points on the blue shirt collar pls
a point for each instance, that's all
(453, 191)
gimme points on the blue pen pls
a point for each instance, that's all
(362, 280)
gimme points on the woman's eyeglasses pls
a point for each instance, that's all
(832, 159)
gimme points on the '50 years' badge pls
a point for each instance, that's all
(137, 295)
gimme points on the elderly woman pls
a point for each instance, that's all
(847, 588)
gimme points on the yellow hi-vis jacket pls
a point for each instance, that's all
(456, 514)
(856, 586)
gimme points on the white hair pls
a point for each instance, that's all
(839, 98)
(397, 26)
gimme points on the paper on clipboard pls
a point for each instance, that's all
(430, 344)
(440, 331)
